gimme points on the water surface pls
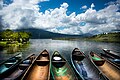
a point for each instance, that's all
(63, 46)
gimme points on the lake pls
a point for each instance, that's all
(65, 47)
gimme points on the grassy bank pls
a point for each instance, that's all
(105, 37)
(7, 44)
(109, 37)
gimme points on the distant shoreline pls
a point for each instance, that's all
(109, 37)
(86, 40)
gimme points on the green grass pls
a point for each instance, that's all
(7, 44)
(110, 37)
(3, 43)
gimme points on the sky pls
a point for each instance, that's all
(61, 16)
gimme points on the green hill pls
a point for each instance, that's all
(106, 37)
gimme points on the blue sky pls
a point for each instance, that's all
(74, 5)
(61, 16)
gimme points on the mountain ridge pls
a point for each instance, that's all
(41, 34)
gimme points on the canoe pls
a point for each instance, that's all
(99, 61)
(40, 68)
(114, 61)
(112, 57)
(84, 67)
(107, 68)
(9, 64)
(60, 68)
(111, 53)
(19, 70)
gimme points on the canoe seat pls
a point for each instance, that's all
(27, 61)
(23, 66)
(77, 53)
(117, 61)
(58, 64)
(9, 64)
(42, 63)
(78, 57)
(45, 55)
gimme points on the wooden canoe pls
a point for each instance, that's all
(17, 72)
(99, 61)
(116, 62)
(108, 69)
(40, 68)
(84, 67)
(60, 68)
(9, 64)
(111, 53)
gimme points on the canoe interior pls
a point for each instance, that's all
(99, 61)
(63, 73)
(107, 56)
(61, 70)
(58, 64)
(84, 67)
(19, 70)
(112, 60)
(39, 70)
(109, 70)
(7, 65)
(78, 57)
(111, 53)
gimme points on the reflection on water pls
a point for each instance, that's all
(63, 46)
(11, 49)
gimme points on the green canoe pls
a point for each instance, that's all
(60, 68)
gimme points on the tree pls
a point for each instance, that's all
(7, 34)
(10, 36)
(23, 37)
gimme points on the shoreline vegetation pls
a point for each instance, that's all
(9, 38)
(105, 37)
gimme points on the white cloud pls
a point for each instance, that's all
(64, 5)
(84, 7)
(25, 14)
(92, 5)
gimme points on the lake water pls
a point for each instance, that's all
(63, 46)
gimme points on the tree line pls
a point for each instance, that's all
(12, 36)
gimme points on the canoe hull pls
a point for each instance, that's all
(19, 70)
(111, 53)
(108, 69)
(61, 70)
(39, 69)
(116, 62)
(15, 60)
(85, 68)
(99, 61)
